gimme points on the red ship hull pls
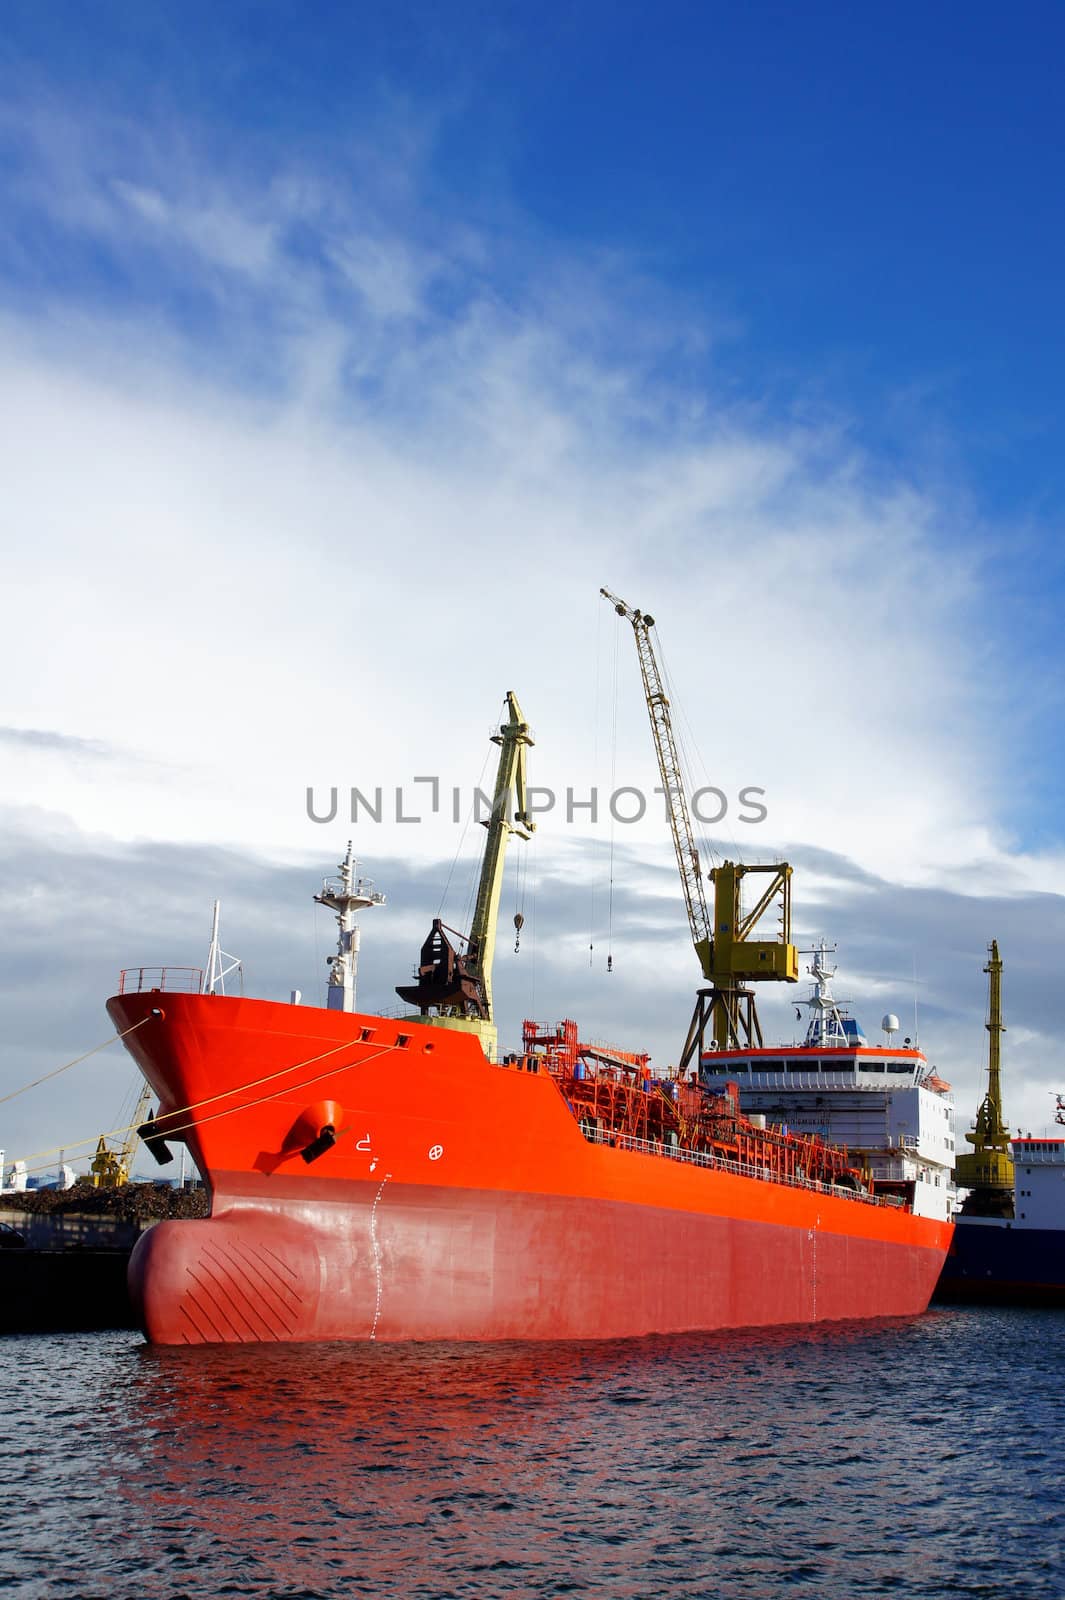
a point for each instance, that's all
(461, 1200)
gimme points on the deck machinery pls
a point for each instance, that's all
(619, 1101)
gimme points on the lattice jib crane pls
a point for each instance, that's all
(111, 1169)
(669, 768)
(727, 954)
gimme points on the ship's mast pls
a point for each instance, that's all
(219, 962)
(346, 895)
(826, 1028)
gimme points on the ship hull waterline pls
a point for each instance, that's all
(995, 1263)
(462, 1201)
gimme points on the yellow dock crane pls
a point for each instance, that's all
(987, 1170)
(729, 957)
(453, 989)
(110, 1169)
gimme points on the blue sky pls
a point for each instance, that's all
(859, 201)
(345, 351)
(825, 214)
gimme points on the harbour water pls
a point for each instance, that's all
(918, 1457)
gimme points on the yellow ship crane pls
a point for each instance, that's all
(987, 1170)
(453, 989)
(110, 1169)
(728, 955)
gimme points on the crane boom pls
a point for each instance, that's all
(691, 877)
(728, 955)
(453, 989)
(110, 1169)
(513, 739)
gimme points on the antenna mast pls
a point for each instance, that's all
(219, 962)
(346, 895)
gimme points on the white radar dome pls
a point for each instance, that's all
(890, 1023)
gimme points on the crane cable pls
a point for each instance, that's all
(470, 892)
(534, 842)
(595, 763)
(168, 1132)
(691, 757)
(521, 886)
(613, 787)
(4, 1098)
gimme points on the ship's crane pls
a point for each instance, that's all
(987, 1170)
(110, 1169)
(454, 989)
(728, 956)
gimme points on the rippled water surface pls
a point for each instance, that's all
(918, 1458)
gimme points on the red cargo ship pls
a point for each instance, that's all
(551, 1196)
(375, 1178)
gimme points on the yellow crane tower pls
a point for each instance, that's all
(110, 1169)
(728, 956)
(987, 1170)
(454, 990)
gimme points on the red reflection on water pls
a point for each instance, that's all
(387, 1466)
(381, 1459)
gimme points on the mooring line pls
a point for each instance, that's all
(4, 1098)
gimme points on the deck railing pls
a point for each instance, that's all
(741, 1169)
(171, 980)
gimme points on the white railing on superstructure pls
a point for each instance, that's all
(741, 1169)
(1038, 1152)
(840, 1079)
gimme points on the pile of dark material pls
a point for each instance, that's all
(72, 1274)
(139, 1203)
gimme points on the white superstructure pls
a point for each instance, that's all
(885, 1104)
(1038, 1182)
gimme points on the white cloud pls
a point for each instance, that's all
(278, 602)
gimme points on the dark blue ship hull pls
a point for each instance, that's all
(999, 1262)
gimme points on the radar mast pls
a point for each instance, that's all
(346, 895)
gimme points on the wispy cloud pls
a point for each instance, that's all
(64, 743)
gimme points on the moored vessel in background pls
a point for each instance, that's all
(884, 1102)
(1017, 1259)
(1009, 1235)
